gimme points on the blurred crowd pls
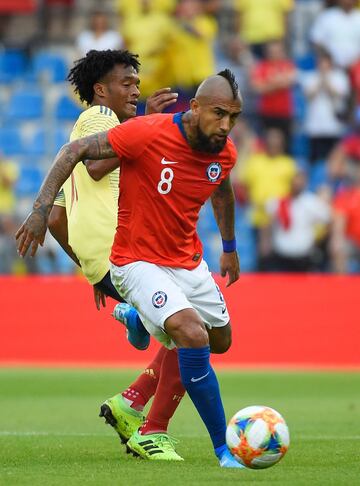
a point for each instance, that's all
(297, 179)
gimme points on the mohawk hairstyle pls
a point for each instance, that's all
(230, 77)
(94, 66)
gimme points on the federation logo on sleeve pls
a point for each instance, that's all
(159, 299)
(213, 171)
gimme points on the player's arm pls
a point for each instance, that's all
(32, 231)
(58, 228)
(97, 169)
(223, 203)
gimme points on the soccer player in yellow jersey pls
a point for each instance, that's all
(83, 220)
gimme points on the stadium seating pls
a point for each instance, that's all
(38, 143)
(48, 66)
(25, 104)
(12, 65)
(67, 109)
(10, 141)
(29, 181)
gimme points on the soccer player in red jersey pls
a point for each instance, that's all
(170, 164)
(108, 81)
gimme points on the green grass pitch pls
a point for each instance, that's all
(50, 433)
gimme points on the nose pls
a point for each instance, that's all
(225, 124)
(135, 91)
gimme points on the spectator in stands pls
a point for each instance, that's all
(247, 144)
(326, 90)
(8, 177)
(345, 152)
(267, 175)
(50, 13)
(99, 36)
(149, 33)
(337, 30)
(345, 235)
(296, 221)
(260, 22)
(236, 56)
(355, 83)
(134, 8)
(305, 12)
(272, 80)
(192, 51)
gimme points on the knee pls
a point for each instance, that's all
(187, 332)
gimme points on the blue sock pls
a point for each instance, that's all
(201, 383)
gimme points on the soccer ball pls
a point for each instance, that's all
(257, 437)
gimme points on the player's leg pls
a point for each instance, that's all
(151, 441)
(136, 333)
(168, 315)
(220, 338)
(198, 377)
(207, 299)
(162, 376)
(123, 411)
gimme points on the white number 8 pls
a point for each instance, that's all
(164, 186)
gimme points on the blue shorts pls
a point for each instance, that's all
(105, 285)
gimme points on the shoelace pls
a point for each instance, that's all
(166, 442)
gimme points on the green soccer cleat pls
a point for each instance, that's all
(154, 447)
(124, 419)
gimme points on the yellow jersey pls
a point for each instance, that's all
(9, 172)
(264, 20)
(91, 206)
(267, 178)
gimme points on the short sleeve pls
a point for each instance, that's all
(131, 138)
(98, 122)
(60, 199)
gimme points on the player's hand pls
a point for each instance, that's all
(31, 232)
(99, 298)
(161, 99)
(229, 265)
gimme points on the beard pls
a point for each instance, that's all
(203, 143)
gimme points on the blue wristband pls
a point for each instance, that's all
(229, 245)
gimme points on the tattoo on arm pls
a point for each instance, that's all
(94, 147)
(223, 203)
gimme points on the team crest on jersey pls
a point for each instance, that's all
(159, 299)
(213, 172)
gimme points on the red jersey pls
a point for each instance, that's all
(163, 184)
(355, 80)
(277, 103)
(351, 146)
(347, 203)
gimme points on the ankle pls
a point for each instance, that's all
(152, 427)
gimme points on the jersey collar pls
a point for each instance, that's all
(177, 119)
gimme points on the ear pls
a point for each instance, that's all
(100, 90)
(194, 106)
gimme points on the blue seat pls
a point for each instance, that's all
(61, 136)
(299, 146)
(26, 104)
(307, 62)
(318, 175)
(49, 64)
(300, 103)
(29, 181)
(12, 65)
(11, 141)
(67, 109)
(38, 143)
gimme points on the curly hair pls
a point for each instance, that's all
(94, 66)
